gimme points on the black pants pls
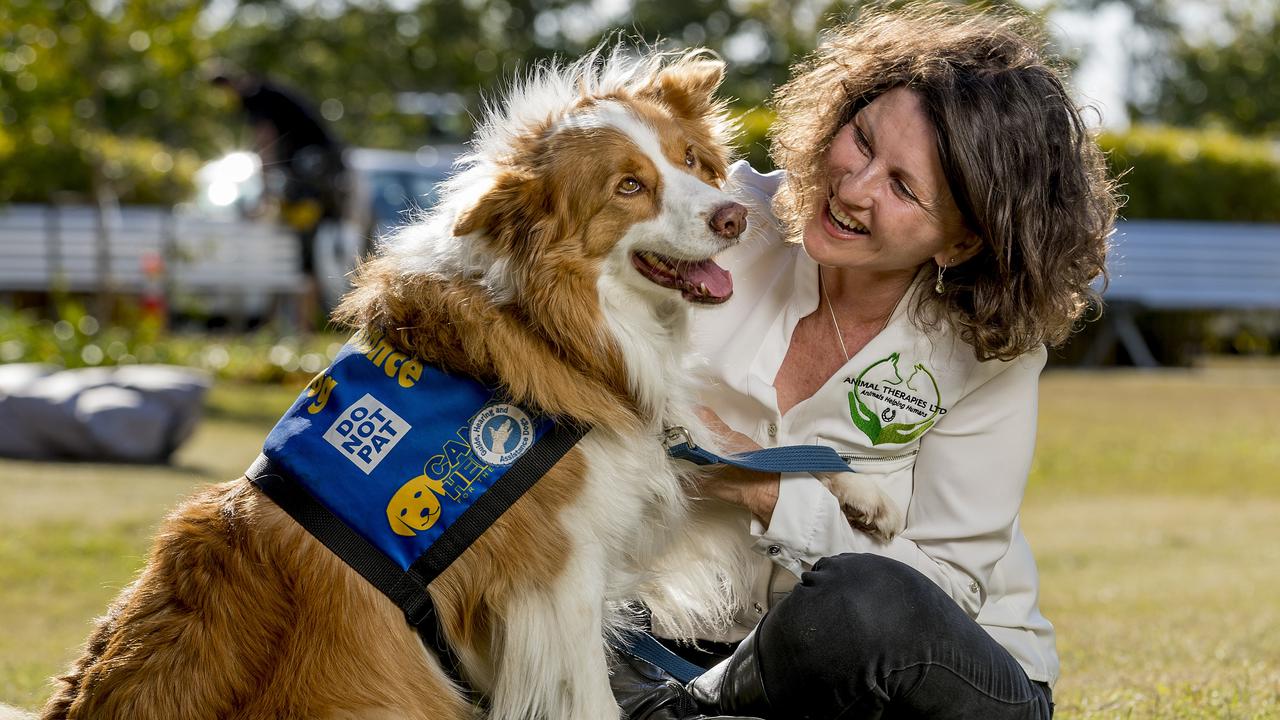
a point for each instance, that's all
(863, 636)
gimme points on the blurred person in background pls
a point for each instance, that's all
(303, 169)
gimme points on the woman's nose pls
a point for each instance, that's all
(856, 187)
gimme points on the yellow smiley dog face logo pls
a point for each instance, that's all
(416, 506)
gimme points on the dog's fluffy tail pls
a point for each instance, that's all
(8, 712)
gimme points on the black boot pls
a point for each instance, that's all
(645, 691)
(734, 687)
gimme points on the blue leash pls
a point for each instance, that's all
(788, 458)
(646, 647)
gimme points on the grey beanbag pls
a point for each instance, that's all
(134, 413)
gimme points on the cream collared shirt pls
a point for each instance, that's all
(949, 438)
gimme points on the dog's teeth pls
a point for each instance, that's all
(702, 289)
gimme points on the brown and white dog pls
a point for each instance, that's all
(561, 263)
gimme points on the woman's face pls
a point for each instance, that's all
(887, 207)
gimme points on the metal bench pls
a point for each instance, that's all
(231, 264)
(1159, 265)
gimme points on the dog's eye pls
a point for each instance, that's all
(629, 186)
(689, 158)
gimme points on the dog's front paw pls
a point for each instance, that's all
(865, 505)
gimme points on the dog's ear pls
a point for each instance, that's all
(506, 210)
(688, 86)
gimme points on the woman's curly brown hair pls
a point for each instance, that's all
(1026, 175)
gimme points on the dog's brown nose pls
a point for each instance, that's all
(728, 221)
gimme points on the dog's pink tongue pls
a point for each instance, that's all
(718, 281)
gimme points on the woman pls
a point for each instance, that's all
(942, 217)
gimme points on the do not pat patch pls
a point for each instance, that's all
(366, 432)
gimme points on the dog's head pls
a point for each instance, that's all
(575, 235)
(605, 175)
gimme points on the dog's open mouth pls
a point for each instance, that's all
(702, 281)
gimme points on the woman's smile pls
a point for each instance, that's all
(844, 223)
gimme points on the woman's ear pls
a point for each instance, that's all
(959, 250)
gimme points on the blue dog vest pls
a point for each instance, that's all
(397, 467)
(396, 449)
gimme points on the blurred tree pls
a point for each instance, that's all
(387, 76)
(761, 39)
(85, 84)
(1216, 79)
(394, 74)
(1235, 84)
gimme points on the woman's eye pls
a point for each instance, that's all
(861, 139)
(629, 186)
(689, 158)
(903, 190)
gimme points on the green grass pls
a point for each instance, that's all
(1153, 507)
(75, 533)
(1154, 511)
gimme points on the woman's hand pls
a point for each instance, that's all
(750, 489)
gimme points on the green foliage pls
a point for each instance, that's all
(473, 49)
(85, 85)
(98, 98)
(1188, 72)
(753, 139)
(462, 52)
(74, 338)
(1195, 174)
(142, 170)
(138, 170)
(1228, 84)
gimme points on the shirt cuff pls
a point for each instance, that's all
(807, 525)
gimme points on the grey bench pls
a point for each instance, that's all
(230, 263)
(1159, 265)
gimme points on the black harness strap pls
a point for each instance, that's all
(408, 589)
(521, 476)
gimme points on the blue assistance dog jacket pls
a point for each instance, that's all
(397, 467)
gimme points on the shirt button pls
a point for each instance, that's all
(973, 586)
(773, 430)
(775, 549)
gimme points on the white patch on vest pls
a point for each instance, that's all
(366, 432)
(501, 433)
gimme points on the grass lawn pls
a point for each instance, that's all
(1154, 510)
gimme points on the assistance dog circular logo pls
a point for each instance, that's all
(501, 433)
